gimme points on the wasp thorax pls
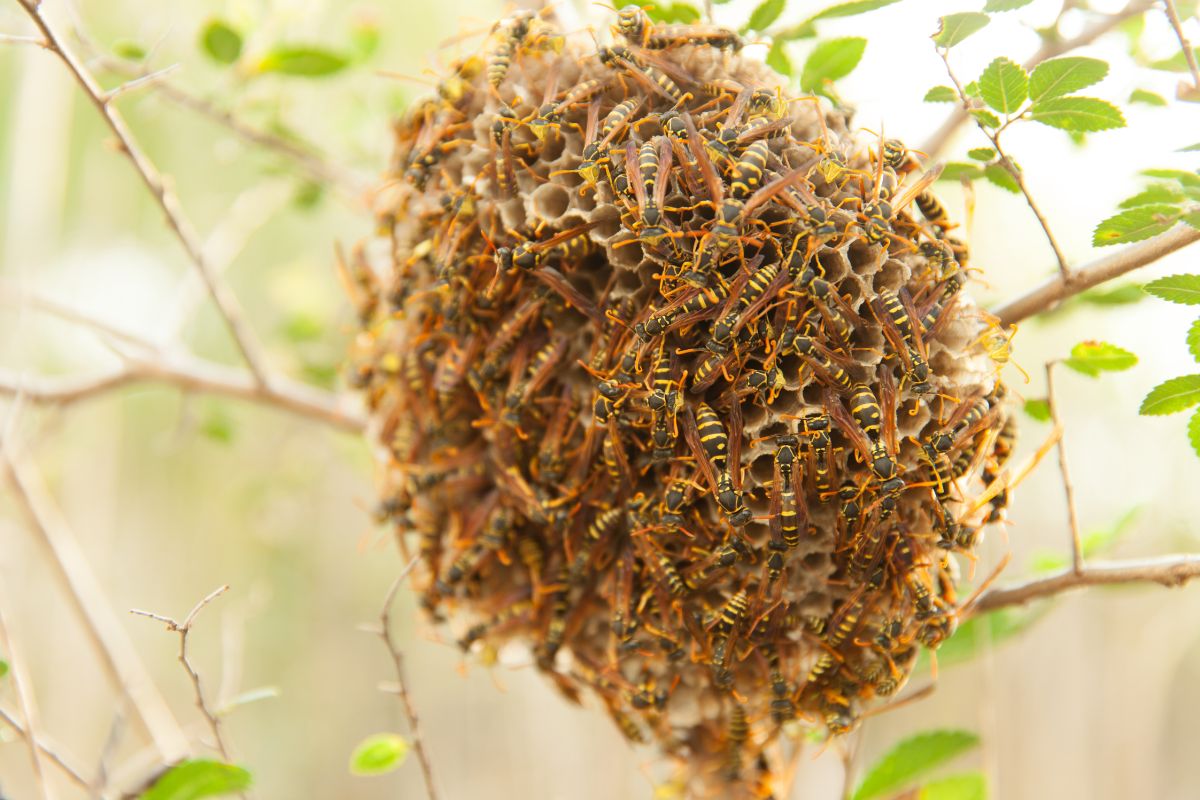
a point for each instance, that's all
(676, 384)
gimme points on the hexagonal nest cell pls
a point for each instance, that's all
(674, 381)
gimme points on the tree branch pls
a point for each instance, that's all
(227, 304)
(1054, 290)
(1169, 571)
(1188, 53)
(183, 629)
(938, 142)
(1068, 487)
(55, 758)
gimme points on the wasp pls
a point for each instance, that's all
(736, 738)
(664, 37)
(755, 290)
(652, 165)
(496, 531)
(651, 72)
(665, 401)
(508, 39)
(898, 316)
(824, 294)
(840, 627)
(539, 371)
(789, 513)
(710, 442)
(766, 383)
(820, 359)
(509, 613)
(816, 426)
(694, 303)
(782, 707)
(964, 417)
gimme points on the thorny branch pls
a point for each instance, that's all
(1050, 48)
(1060, 287)
(183, 629)
(1068, 487)
(1169, 571)
(384, 631)
(54, 757)
(1009, 167)
(164, 196)
(1188, 53)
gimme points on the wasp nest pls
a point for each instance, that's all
(674, 387)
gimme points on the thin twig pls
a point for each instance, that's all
(9, 39)
(26, 706)
(226, 302)
(183, 629)
(1050, 48)
(140, 82)
(1068, 487)
(1188, 53)
(1058, 288)
(51, 753)
(410, 712)
(118, 657)
(1011, 168)
(1169, 571)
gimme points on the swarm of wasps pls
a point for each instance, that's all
(674, 382)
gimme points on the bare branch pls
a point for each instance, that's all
(163, 195)
(1068, 487)
(51, 753)
(1169, 571)
(118, 657)
(27, 707)
(9, 39)
(410, 711)
(1188, 53)
(1060, 287)
(936, 143)
(141, 81)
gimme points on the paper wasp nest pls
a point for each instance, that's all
(674, 383)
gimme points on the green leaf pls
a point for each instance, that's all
(1147, 97)
(1171, 396)
(1059, 76)
(1182, 289)
(981, 153)
(831, 60)
(957, 170)
(984, 631)
(767, 12)
(1192, 218)
(1116, 296)
(1155, 193)
(777, 59)
(968, 786)
(128, 50)
(971, 89)
(1191, 148)
(1038, 409)
(1185, 178)
(1194, 431)
(1001, 177)
(1135, 224)
(1193, 340)
(194, 779)
(3, 668)
(1091, 544)
(1004, 85)
(1176, 63)
(221, 41)
(851, 8)
(805, 30)
(364, 38)
(941, 94)
(953, 28)
(911, 758)
(378, 754)
(1005, 5)
(308, 195)
(986, 118)
(218, 424)
(1078, 114)
(302, 61)
(1092, 358)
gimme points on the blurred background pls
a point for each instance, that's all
(172, 495)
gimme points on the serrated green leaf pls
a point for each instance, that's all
(1078, 114)
(221, 41)
(377, 754)
(766, 13)
(851, 8)
(1004, 85)
(1147, 97)
(1193, 340)
(1176, 63)
(1194, 431)
(1059, 76)
(1135, 224)
(1038, 409)
(1001, 177)
(1154, 193)
(941, 94)
(1116, 296)
(971, 89)
(912, 758)
(1183, 289)
(777, 59)
(968, 786)
(1171, 396)
(981, 153)
(957, 170)
(987, 118)
(194, 779)
(1185, 178)
(302, 61)
(128, 50)
(953, 28)
(831, 60)
(1092, 358)
(993, 6)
